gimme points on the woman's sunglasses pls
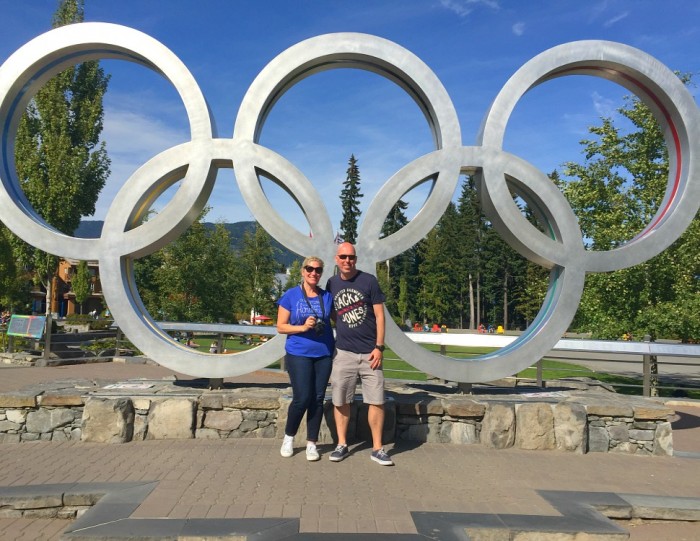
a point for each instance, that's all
(310, 269)
(351, 257)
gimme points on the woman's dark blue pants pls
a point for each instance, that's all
(309, 377)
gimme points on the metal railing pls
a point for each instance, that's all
(646, 353)
(580, 351)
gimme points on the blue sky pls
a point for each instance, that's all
(473, 46)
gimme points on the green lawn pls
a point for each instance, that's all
(396, 368)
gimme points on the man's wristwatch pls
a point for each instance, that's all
(379, 347)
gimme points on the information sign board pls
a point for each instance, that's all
(28, 326)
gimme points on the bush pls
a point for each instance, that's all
(91, 322)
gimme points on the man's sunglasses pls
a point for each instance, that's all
(310, 269)
(348, 256)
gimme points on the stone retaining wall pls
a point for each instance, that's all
(571, 422)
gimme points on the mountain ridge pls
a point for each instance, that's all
(92, 229)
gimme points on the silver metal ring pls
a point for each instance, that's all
(195, 164)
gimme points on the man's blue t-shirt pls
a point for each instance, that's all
(354, 300)
(308, 343)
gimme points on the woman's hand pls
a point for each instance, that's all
(310, 323)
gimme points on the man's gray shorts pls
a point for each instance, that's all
(347, 366)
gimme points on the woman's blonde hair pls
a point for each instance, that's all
(312, 259)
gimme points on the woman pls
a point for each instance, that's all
(304, 314)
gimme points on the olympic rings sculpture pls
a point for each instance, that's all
(195, 165)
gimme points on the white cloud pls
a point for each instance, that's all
(603, 106)
(464, 7)
(616, 19)
(519, 28)
(133, 137)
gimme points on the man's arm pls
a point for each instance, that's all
(377, 355)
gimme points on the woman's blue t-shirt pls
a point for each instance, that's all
(308, 343)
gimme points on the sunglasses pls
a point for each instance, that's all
(347, 256)
(310, 269)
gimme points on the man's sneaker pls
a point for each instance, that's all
(312, 453)
(287, 449)
(339, 454)
(380, 457)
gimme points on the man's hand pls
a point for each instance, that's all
(375, 359)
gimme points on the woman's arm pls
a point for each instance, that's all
(284, 327)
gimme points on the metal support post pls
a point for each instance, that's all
(47, 337)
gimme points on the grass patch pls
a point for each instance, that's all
(396, 368)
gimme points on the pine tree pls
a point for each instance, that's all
(391, 271)
(469, 252)
(350, 202)
(61, 163)
(437, 284)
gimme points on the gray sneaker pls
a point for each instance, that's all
(380, 457)
(339, 454)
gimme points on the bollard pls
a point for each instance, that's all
(465, 388)
(47, 337)
(539, 373)
(646, 370)
(117, 339)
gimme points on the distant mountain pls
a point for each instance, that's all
(92, 229)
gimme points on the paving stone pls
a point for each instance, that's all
(659, 412)
(252, 399)
(19, 399)
(56, 398)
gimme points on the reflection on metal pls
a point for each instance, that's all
(196, 163)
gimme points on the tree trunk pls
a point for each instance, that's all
(654, 381)
(505, 301)
(472, 325)
(478, 300)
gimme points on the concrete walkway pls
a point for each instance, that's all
(206, 489)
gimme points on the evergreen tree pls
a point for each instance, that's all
(390, 272)
(437, 285)
(61, 163)
(350, 202)
(530, 292)
(469, 252)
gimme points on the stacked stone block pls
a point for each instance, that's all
(577, 423)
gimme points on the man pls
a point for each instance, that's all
(358, 304)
